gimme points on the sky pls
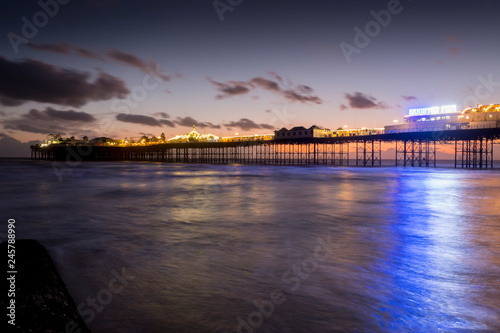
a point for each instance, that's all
(123, 69)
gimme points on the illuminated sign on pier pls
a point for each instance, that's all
(433, 110)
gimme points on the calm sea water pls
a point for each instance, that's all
(205, 248)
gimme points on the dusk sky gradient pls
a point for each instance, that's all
(266, 65)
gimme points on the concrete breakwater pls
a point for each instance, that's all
(35, 296)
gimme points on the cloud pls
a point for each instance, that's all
(276, 77)
(86, 53)
(127, 59)
(359, 100)
(138, 119)
(10, 147)
(247, 124)
(409, 98)
(146, 134)
(162, 115)
(66, 48)
(167, 122)
(131, 60)
(189, 122)
(62, 48)
(49, 121)
(9, 101)
(303, 98)
(266, 84)
(267, 126)
(32, 80)
(232, 88)
(32, 129)
(453, 51)
(147, 120)
(298, 93)
(51, 114)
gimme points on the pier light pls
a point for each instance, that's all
(345, 126)
(236, 134)
(395, 121)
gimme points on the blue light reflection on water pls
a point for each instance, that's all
(417, 249)
(428, 266)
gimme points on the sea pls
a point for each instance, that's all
(158, 247)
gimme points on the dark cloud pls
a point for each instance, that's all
(127, 59)
(247, 124)
(167, 122)
(266, 84)
(276, 76)
(63, 48)
(232, 88)
(10, 101)
(33, 129)
(267, 126)
(359, 100)
(146, 120)
(10, 147)
(66, 48)
(453, 51)
(49, 121)
(409, 98)
(453, 38)
(162, 115)
(86, 53)
(51, 114)
(32, 80)
(131, 60)
(298, 93)
(2, 113)
(343, 107)
(189, 122)
(303, 98)
(138, 119)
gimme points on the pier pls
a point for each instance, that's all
(473, 149)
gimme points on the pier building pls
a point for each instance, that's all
(445, 118)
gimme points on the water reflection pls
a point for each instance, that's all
(431, 268)
(413, 249)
